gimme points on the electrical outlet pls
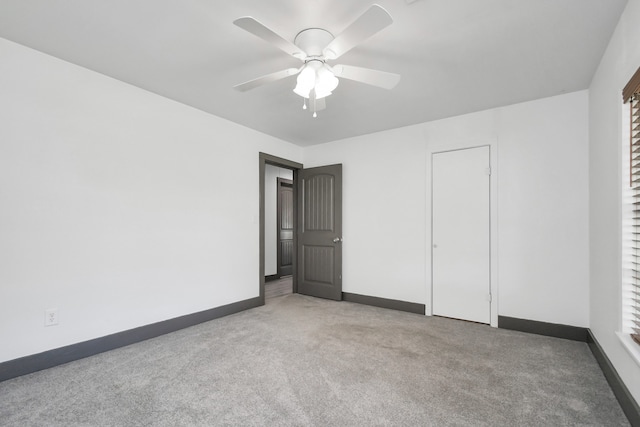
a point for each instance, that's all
(51, 317)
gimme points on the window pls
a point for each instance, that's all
(631, 212)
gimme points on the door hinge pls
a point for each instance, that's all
(489, 298)
(488, 171)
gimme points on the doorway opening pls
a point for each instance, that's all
(316, 231)
(278, 219)
(279, 231)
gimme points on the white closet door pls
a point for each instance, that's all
(461, 234)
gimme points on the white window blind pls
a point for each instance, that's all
(631, 289)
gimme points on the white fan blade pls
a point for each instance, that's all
(365, 75)
(269, 78)
(369, 23)
(258, 29)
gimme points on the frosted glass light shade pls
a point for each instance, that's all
(316, 76)
(326, 82)
(305, 82)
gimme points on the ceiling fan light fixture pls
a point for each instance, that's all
(316, 76)
(305, 82)
(322, 94)
(326, 82)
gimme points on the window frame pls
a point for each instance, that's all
(630, 218)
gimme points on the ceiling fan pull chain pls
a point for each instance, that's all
(304, 103)
(315, 114)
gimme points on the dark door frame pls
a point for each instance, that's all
(264, 160)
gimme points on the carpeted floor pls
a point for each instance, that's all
(310, 362)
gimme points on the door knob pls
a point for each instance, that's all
(337, 240)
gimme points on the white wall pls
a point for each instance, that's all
(542, 205)
(271, 175)
(118, 207)
(620, 61)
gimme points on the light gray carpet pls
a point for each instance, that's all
(306, 361)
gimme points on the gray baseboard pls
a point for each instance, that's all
(48, 359)
(574, 333)
(271, 278)
(626, 400)
(410, 307)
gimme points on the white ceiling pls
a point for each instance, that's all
(455, 56)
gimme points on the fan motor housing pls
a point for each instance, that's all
(313, 41)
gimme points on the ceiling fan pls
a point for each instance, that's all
(315, 47)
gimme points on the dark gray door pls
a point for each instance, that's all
(285, 227)
(319, 264)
